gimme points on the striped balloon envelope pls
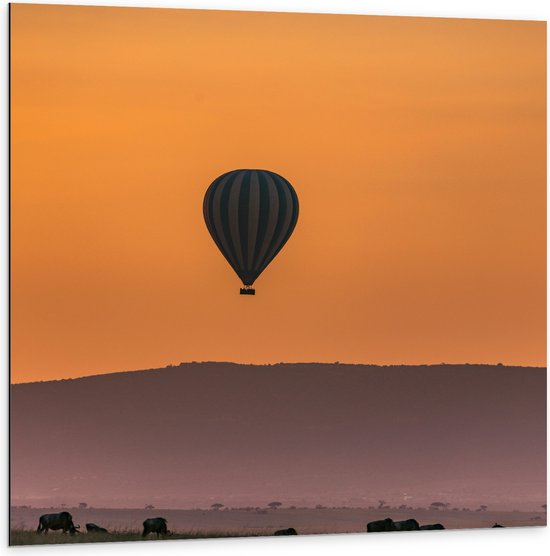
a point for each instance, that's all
(250, 215)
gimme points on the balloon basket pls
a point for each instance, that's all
(248, 291)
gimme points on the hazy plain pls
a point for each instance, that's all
(125, 524)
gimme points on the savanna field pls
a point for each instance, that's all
(126, 524)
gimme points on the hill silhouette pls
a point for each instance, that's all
(200, 433)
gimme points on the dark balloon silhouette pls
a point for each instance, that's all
(250, 215)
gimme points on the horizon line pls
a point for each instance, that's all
(334, 363)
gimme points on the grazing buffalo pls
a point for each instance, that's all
(496, 525)
(289, 531)
(93, 528)
(156, 525)
(433, 527)
(63, 520)
(407, 525)
(380, 526)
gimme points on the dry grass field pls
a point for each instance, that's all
(26, 537)
(125, 524)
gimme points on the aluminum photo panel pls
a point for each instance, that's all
(275, 274)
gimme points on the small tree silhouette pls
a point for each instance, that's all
(439, 505)
(216, 506)
(149, 507)
(482, 508)
(274, 505)
(82, 505)
(544, 507)
(381, 504)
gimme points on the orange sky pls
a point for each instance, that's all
(417, 148)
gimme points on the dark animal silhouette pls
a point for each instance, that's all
(289, 531)
(406, 525)
(93, 528)
(433, 527)
(388, 524)
(380, 526)
(496, 525)
(156, 525)
(63, 520)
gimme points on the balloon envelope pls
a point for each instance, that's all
(250, 215)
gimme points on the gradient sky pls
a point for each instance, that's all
(417, 148)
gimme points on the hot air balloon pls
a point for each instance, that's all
(250, 215)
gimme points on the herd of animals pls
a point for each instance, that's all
(388, 524)
(159, 525)
(64, 521)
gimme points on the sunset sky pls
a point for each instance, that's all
(417, 148)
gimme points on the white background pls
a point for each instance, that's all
(505, 542)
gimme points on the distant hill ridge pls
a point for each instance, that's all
(230, 364)
(317, 432)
